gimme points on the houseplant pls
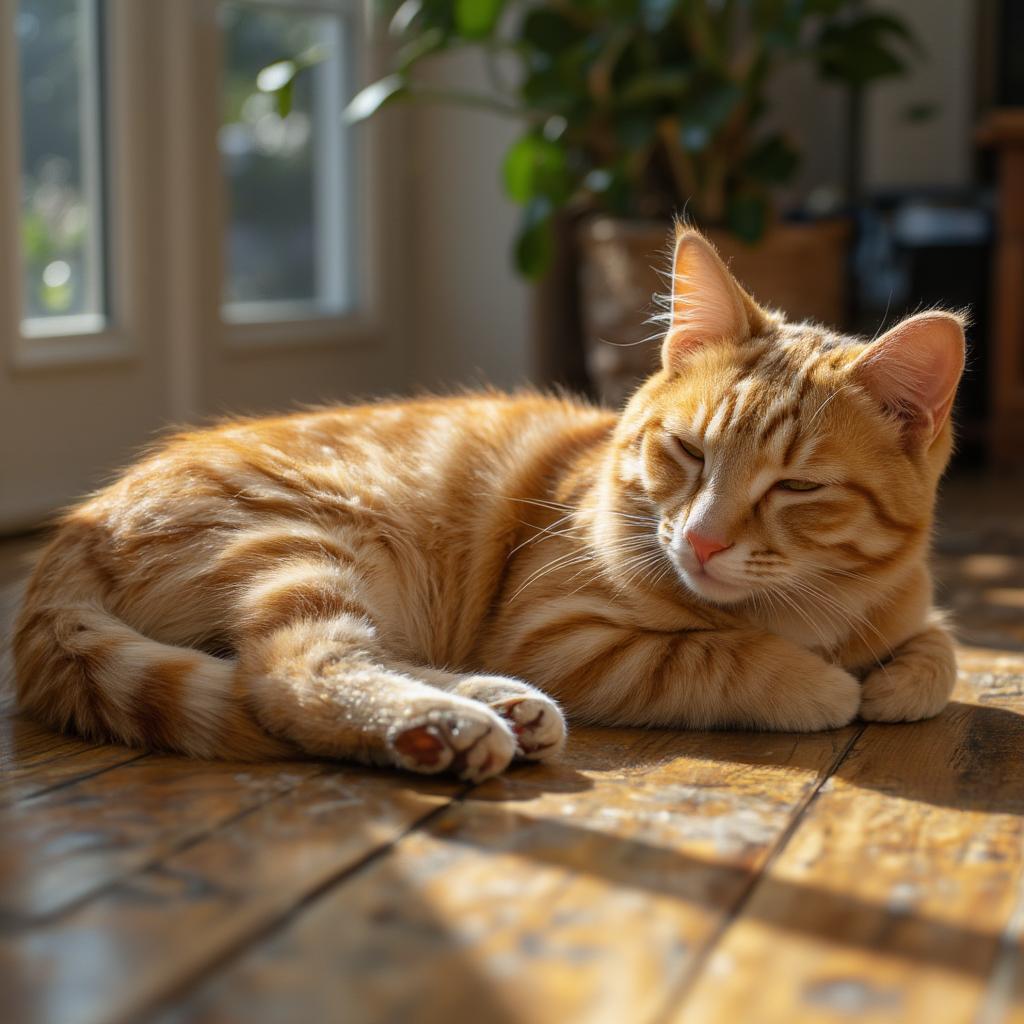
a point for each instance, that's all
(634, 111)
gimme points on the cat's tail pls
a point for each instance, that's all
(79, 668)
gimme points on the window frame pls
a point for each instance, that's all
(334, 181)
(119, 247)
(185, 158)
(302, 325)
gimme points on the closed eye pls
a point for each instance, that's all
(798, 485)
(689, 449)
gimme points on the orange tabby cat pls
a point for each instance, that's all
(417, 583)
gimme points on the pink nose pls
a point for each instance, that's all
(705, 547)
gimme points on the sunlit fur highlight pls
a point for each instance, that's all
(397, 582)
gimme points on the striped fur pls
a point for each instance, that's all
(427, 583)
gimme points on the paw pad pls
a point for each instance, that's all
(474, 745)
(421, 745)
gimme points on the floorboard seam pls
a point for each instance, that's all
(701, 960)
(165, 1003)
(26, 797)
(55, 916)
(67, 755)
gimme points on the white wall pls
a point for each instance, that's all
(895, 152)
(936, 151)
(470, 311)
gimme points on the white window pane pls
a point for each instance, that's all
(287, 201)
(61, 148)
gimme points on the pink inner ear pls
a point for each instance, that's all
(915, 368)
(706, 306)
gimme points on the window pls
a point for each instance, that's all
(61, 225)
(173, 243)
(285, 169)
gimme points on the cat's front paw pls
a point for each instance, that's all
(535, 719)
(905, 691)
(811, 697)
(538, 726)
(474, 743)
(915, 684)
(832, 702)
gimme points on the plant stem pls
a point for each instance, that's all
(475, 100)
(683, 172)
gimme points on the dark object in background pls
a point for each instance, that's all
(1010, 73)
(920, 250)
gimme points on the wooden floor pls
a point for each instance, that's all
(875, 873)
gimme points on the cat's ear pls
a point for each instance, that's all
(708, 304)
(914, 369)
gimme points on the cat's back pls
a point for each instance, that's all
(427, 456)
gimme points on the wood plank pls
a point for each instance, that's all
(164, 925)
(24, 743)
(63, 846)
(34, 760)
(892, 900)
(24, 782)
(588, 901)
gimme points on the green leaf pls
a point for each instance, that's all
(635, 129)
(476, 19)
(664, 83)
(405, 14)
(536, 166)
(428, 42)
(548, 31)
(368, 101)
(862, 63)
(545, 89)
(827, 7)
(705, 111)
(276, 76)
(413, 17)
(923, 110)
(880, 25)
(610, 187)
(860, 51)
(535, 244)
(655, 14)
(772, 161)
(313, 55)
(747, 215)
(777, 22)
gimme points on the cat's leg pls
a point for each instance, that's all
(327, 686)
(609, 674)
(915, 683)
(534, 718)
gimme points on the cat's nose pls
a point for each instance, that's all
(704, 547)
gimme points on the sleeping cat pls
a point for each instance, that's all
(428, 583)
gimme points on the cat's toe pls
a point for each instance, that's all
(487, 755)
(474, 745)
(538, 726)
(534, 718)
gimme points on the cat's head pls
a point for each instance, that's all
(779, 455)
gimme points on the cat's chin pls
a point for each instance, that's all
(707, 587)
